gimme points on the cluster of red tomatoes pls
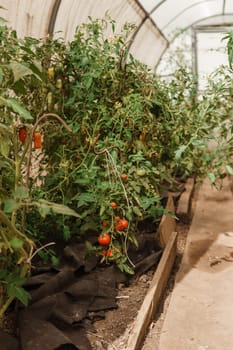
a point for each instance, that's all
(120, 225)
(104, 238)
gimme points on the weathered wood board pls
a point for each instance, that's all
(167, 223)
(183, 210)
(153, 295)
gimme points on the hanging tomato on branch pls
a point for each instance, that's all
(22, 133)
(37, 139)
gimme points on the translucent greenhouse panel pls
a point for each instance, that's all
(173, 16)
(148, 45)
(221, 20)
(72, 13)
(149, 5)
(211, 54)
(228, 6)
(179, 54)
(28, 17)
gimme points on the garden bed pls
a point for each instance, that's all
(136, 322)
(119, 304)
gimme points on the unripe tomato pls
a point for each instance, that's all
(50, 101)
(59, 84)
(113, 205)
(104, 239)
(51, 73)
(141, 172)
(124, 177)
(22, 134)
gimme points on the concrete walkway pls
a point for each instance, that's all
(200, 312)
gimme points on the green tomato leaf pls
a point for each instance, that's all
(180, 151)
(19, 70)
(137, 211)
(1, 76)
(4, 146)
(22, 192)
(22, 295)
(10, 205)
(47, 207)
(13, 104)
(54, 260)
(229, 169)
(212, 177)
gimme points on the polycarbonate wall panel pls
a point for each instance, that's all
(172, 16)
(148, 45)
(216, 20)
(149, 5)
(28, 17)
(228, 6)
(36, 17)
(211, 54)
(72, 13)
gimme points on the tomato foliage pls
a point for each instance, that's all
(129, 137)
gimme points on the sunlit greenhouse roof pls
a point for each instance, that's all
(157, 21)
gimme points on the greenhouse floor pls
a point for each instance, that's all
(200, 312)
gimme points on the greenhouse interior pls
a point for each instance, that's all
(116, 181)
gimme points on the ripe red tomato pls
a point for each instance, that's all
(104, 239)
(119, 226)
(22, 134)
(124, 223)
(37, 139)
(117, 219)
(108, 252)
(124, 177)
(105, 223)
(113, 205)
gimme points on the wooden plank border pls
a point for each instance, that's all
(184, 207)
(167, 224)
(153, 295)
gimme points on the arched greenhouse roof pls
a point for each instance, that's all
(157, 21)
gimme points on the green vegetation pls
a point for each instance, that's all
(91, 139)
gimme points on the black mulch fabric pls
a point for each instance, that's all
(65, 301)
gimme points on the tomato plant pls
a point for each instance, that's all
(127, 123)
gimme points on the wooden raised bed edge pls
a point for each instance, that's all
(184, 206)
(168, 239)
